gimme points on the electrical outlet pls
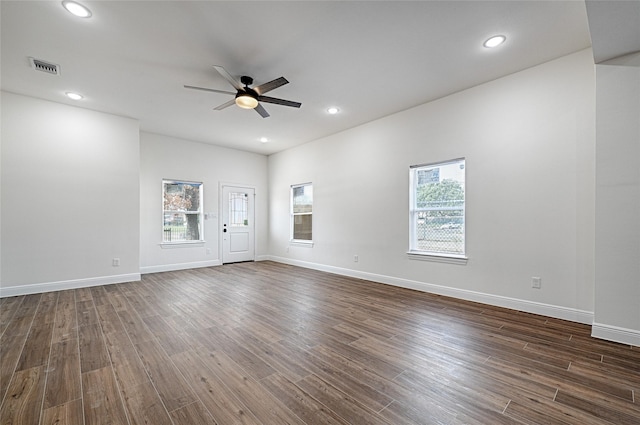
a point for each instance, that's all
(115, 262)
(355, 258)
(536, 282)
(208, 251)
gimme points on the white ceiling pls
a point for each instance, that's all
(371, 59)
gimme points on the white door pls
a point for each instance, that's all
(238, 227)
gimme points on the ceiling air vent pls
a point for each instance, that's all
(48, 67)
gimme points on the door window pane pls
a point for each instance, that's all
(238, 209)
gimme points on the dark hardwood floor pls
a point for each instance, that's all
(266, 343)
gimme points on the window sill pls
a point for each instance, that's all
(306, 244)
(182, 244)
(439, 258)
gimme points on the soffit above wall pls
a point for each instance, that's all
(614, 27)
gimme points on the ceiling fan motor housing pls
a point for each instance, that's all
(243, 95)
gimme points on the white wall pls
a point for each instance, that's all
(528, 140)
(163, 157)
(617, 306)
(70, 196)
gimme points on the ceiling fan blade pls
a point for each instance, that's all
(235, 83)
(263, 112)
(273, 84)
(276, 101)
(225, 105)
(206, 89)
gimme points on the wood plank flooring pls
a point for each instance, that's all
(266, 343)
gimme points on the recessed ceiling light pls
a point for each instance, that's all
(494, 41)
(264, 140)
(76, 9)
(333, 110)
(74, 96)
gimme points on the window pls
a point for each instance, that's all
(301, 212)
(437, 209)
(182, 211)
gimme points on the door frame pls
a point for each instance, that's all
(221, 185)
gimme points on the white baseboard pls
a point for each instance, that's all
(616, 334)
(12, 291)
(36, 288)
(549, 310)
(179, 266)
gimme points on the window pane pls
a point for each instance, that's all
(302, 199)
(440, 231)
(173, 197)
(181, 196)
(440, 186)
(302, 227)
(238, 209)
(181, 227)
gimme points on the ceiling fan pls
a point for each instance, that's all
(249, 97)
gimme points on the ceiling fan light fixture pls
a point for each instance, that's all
(246, 101)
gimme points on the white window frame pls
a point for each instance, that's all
(414, 251)
(293, 215)
(199, 213)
